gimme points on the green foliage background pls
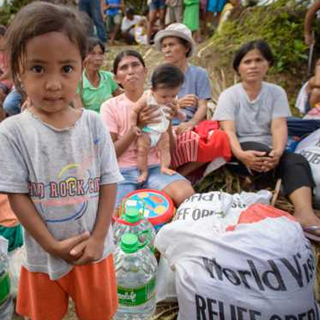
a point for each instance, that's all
(280, 24)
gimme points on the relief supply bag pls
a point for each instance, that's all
(260, 268)
(222, 209)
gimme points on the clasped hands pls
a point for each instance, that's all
(260, 161)
(80, 249)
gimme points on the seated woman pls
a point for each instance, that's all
(253, 113)
(177, 45)
(96, 85)
(130, 72)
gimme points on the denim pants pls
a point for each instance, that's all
(93, 9)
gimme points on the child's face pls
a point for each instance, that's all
(50, 71)
(165, 95)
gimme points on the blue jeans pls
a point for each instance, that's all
(12, 103)
(156, 180)
(93, 9)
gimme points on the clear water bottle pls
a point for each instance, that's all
(134, 222)
(136, 269)
(6, 302)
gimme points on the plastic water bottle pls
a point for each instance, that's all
(134, 222)
(6, 302)
(136, 269)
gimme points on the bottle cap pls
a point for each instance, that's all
(132, 214)
(129, 243)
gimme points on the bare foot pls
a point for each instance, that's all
(309, 221)
(143, 176)
(167, 171)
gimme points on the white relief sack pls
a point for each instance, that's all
(221, 208)
(261, 268)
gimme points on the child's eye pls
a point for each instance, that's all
(67, 69)
(37, 69)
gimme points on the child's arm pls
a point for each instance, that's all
(93, 248)
(139, 105)
(28, 216)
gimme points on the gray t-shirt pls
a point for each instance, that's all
(196, 81)
(61, 171)
(253, 118)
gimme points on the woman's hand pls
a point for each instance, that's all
(272, 161)
(147, 115)
(189, 100)
(254, 160)
(184, 127)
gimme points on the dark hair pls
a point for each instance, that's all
(167, 76)
(129, 11)
(3, 30)
(92, 42)
(36, 19)
(260, 45)
(126, 53)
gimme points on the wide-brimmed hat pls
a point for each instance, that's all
(178, 30)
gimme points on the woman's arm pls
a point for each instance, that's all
(145, 115)
(196, 119)
(308, 23)
(250, 158)
(28, 216)
(279, 133)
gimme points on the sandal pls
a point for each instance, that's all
(309, 233)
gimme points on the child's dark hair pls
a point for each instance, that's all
(126, 53)
(260, 45)
(92, 42)
(167, 76)
(36, 19)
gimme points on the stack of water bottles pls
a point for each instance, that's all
(136, 265)
(6, 301)
(132, 220)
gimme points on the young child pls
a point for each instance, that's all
(166, 82)
(59, 169)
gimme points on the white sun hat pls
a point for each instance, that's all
(177, 30)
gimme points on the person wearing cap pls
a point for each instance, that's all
(177, 45)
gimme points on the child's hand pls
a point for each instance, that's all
(63, 248)
(88, 251)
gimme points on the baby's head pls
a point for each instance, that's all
(166, 82)
(37, 19)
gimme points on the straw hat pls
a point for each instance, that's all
(177, 30)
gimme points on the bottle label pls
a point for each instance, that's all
(4, 287)
(137, 296)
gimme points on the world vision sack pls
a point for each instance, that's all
(222, 209)
(310, 149)
(261, 268)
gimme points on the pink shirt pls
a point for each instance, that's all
(115, 113)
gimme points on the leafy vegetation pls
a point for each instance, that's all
(280, 24)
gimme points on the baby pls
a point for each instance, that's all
(166, 82)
